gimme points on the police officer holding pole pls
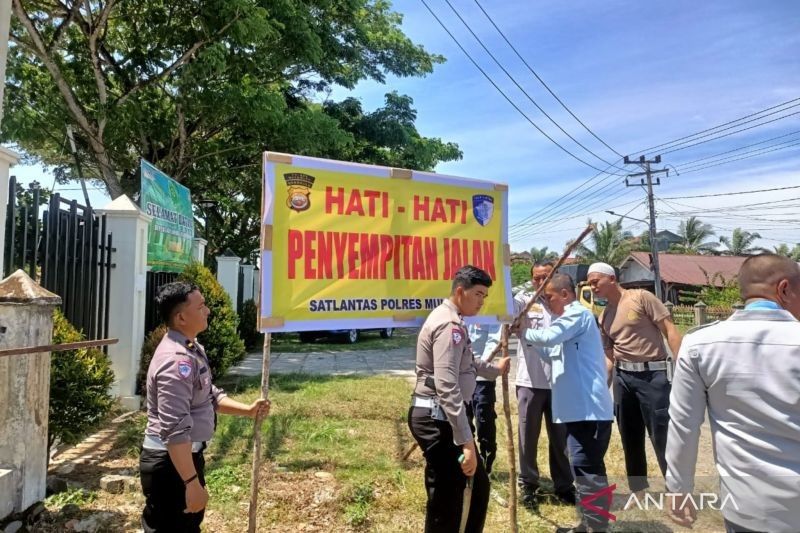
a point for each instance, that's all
(441, 411)
(181, 416)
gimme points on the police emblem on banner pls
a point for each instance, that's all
(299, 189)
(482, 208)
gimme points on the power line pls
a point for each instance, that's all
(574, 202)
(730, 193)
(690, 163)
(490, 80)
(728, 160)
(736, 157)
(541, 80)
(731, 133)
(521, 88)
(594, 207)
(740, 119)
(563, 200)
(668, 143)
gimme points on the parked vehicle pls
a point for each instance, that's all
(349, 336)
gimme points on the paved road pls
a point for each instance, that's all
(397, 362)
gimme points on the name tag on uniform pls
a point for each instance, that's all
(536, 308)
(204, 370)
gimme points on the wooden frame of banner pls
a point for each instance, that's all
(255, 473)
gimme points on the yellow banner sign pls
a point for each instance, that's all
(349, 246)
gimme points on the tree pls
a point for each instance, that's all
(610, 244)
(694, 234)
(200, 88)
(741, 243)
(792, 253)
(540, 255)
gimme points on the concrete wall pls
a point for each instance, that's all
(26, 319)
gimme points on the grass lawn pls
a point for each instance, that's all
(368, 340)
(332, 463)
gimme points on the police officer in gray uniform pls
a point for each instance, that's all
(181, 415)
(441, 411)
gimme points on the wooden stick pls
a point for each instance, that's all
(410, 451)
(512, 460)
(540, 290)
(254, 475)
(57, 347)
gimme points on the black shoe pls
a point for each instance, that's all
(529, 500)
(567, 498)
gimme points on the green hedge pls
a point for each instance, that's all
(248, 326)
(221, 340)
(79, 383)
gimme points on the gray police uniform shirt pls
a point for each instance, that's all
(534, 368)
(181, 400)
(444, 353)
(481, 335)
(746, 372)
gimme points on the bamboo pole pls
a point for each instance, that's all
(57, 347)
(518, 319)
(512, 460)
(256, 470)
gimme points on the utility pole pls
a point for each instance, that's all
(648, 174)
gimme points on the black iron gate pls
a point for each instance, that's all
(68, 251)
(155, 280)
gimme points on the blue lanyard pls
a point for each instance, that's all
(762, 304)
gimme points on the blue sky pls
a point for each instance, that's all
(639, 74)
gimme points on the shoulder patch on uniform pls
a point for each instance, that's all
(701, 326)
(184, 368)
(458, 335)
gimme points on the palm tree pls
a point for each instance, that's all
(741, 243)
(783, 249)
(694, 233)
(610, 244)
(540, 255)
(791, 253)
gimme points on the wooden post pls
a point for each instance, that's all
(254, 475)
(700, 314)
(512, 460)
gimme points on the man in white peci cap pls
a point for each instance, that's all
(633, 327)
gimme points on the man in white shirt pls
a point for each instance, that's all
(746, 372)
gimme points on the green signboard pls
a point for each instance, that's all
(169, 237)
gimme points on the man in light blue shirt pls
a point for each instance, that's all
(581, 400)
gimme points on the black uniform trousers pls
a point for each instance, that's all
(642, 404)
(444, 480)
(588, 443)
(483, 401)
(165, 494)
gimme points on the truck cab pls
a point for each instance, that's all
(588, 299)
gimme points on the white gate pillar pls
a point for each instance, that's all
(128, 224)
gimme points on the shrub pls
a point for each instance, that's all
(221, 340)
(148, 349)
(79, 383)
(248, 326)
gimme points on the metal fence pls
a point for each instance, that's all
(155, 280)
(694, 315)
(68, 251)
